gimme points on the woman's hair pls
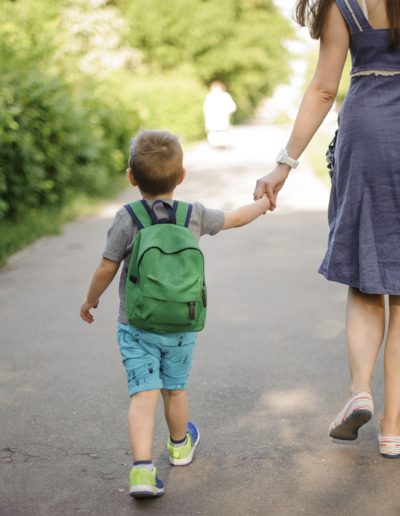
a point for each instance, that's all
(313, 14)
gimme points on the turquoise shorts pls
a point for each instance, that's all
(155, 360)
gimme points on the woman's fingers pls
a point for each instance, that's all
(264, 187)
(259, 190)
(270, 185)
(271, 196)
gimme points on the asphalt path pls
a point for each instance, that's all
(269, 371)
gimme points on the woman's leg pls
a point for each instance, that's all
(390, 424)
(141, 423)
(365, 327)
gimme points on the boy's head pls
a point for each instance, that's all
(155, 162)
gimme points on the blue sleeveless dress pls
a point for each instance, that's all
(364, 208)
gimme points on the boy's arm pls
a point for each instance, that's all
(246, 214)
(102, 277)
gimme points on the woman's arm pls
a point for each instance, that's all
(317, 101)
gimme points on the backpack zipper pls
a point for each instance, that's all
(192, 310)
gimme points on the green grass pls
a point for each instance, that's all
(36, 223)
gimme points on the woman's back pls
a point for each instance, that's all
(370, 46)
(376, 13)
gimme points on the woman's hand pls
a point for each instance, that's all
(271, 184)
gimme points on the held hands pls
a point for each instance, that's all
(85, 311)
(265, 203)
(271, 184)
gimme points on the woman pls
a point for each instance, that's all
(364, 210)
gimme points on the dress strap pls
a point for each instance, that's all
(365, 8)
(354, 16)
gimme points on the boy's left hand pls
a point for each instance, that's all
(85, 311)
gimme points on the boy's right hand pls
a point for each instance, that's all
(85, 311)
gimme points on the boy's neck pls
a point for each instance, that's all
(148, 197)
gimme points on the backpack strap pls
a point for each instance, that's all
(183, 211)
(143, 216)
(140, 214)
(354, 16)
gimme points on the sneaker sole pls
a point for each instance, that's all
(387, 456)
(348, 430)
(145, 491)
(187, 460)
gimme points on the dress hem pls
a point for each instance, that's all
(382, 291)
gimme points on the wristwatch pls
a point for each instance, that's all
(283, 157)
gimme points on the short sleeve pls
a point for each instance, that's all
(210, 221)
(119, 237)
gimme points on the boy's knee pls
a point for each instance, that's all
(145, 394)
(173, 393)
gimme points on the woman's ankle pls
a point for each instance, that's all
(390, 425)
(356, 388)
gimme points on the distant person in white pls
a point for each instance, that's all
(218, 108)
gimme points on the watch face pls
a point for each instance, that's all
(281, 156)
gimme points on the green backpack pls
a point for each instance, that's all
(165, 289)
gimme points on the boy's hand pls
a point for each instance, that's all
(85, 311)
(267, 204)
(246, 214)
(103, 276)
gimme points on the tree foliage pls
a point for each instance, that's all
(236, 41)
(58, 135)
(79, 77)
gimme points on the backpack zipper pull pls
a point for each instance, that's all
(204, 297)
(192, 311)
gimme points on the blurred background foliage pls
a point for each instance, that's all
(79, 77)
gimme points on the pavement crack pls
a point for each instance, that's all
(92, 455)
(10, 455)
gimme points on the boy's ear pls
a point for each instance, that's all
(131, 177)
(183, 175)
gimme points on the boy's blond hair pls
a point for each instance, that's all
(156, 161)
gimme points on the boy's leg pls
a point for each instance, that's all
(141, 423)
(142, 363)
(184, 436)
(176, 363)
(144, 482)
(176, 408)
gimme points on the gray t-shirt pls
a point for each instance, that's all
(123, 231)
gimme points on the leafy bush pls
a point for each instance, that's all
(67, 111)
(237, 42)
(53, 143)
(173, 102)
(57, 136)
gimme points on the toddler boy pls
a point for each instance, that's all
(156, 362)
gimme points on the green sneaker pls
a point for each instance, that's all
(183, 455)
(145, 483)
